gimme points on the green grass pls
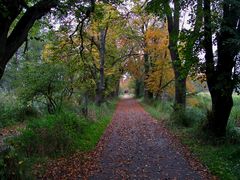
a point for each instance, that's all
(93, 130)
(52, 136)
(222, 157)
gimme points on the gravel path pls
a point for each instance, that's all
(135, 146)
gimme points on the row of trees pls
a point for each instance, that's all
(80, 57)
(194, 29)
(213, 24)
(98, 45)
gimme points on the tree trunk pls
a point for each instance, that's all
(147, 94)
(84, 105)
(102, 51)
(139, 88)
(220, 75)
(116, 94)
(180, 93)
(221, 109)
(2, 67)
(180, 78)
(12, 39)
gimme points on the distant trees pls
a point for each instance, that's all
(94, 53)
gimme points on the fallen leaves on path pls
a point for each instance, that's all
(134, 146)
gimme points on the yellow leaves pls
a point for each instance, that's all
(60, 51)
(192, 101)
(160, 78)
(104, 15)
(135, 67)
(110, 71)
(47, 51)
(156, 40)
(190, 86)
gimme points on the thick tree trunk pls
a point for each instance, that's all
(180, 75)
(2, 67)
(11, 40)
(220, 75)
(221, 109)
(180, 78)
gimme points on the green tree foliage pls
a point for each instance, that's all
(43, 82)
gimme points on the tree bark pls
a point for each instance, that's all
(221, 109)
(116, 94)
(220, 76)
(139, 88)
(147, 94)
(180, 77)
(102, 52)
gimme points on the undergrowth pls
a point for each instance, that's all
(52, 136)
(12, 110)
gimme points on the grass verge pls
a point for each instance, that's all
(54, 136)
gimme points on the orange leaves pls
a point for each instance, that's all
(156, 40)
(160, 79)
(135, 67)
(161, 76)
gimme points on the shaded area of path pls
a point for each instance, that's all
(135, 146)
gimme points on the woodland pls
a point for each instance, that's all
(67, 65)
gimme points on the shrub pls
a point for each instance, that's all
(50, 89)
(11, 165)
(189, 117)
(50, 136)
(12, 110)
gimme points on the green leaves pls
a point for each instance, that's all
(42, 82)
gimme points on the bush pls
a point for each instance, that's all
(189, 117)
(12, 110)
(11, 165)
(50, 136)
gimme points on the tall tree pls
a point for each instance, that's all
(142, 21)
(171, 10)
(102, 53)
(221, 70)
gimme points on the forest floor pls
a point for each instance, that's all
(134, 146)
